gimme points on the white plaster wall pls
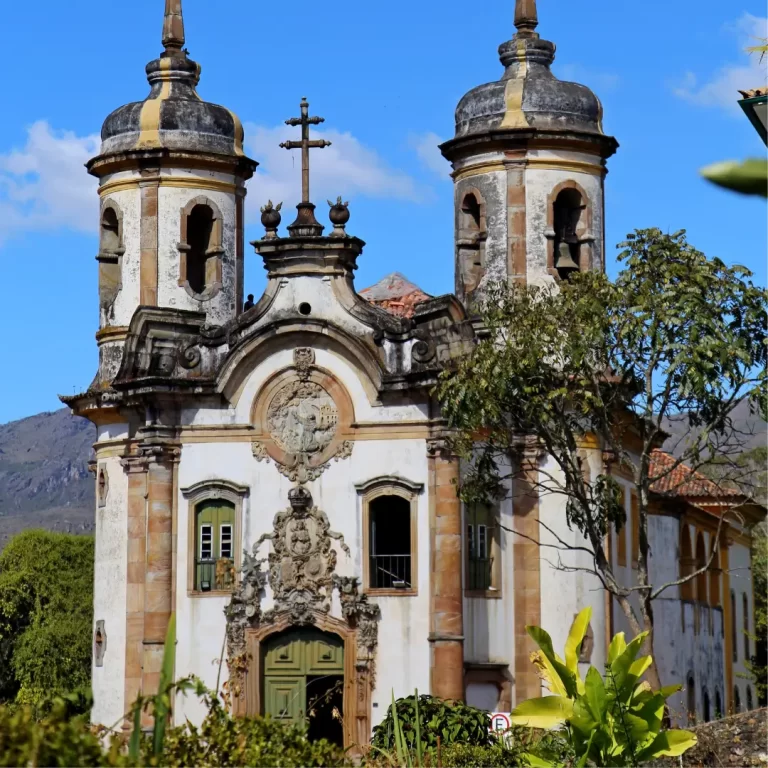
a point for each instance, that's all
(402, 661)
(171, 201)
(741, 583)
(564, 594)
(365, 411)
(109, 595)
(539, 183)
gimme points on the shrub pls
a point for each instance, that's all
(46, 616)
(450, 721)
(612, 721)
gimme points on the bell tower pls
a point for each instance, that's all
(529, 160)
(172, 175)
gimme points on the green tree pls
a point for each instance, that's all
(46, 616)
(677, 337)
(758, 664)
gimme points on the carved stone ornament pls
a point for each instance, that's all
(302, 421)
(302, 418)
(301, 576)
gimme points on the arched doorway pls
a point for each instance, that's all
(303, 680)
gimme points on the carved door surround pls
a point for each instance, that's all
(302, 419)
(302, 578)
(357, 678)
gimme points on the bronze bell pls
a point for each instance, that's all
(564, 259)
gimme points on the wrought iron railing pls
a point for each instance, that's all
(212, 574)
(480, 572)
(390, 571)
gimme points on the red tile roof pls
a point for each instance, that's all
(396, 294)
(682, 480)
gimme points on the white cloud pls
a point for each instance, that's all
(425, 146)
(722, 88)
(45, 186)
(346, 168)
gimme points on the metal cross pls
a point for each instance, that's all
(305, 144)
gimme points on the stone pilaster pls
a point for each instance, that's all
(446, 599)
(151, 548)
(527, 565)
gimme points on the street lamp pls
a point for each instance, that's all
(755, 106)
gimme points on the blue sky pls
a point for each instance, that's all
(386, 76)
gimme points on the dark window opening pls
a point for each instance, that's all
(110, 231)
(199, 232)
(567, 212)
(471, 239)
(718, 706)
(325, 700)
(691, 700)
(745, 610)
(390, 543)
(750, 703)
(734, 644)
(705, 707)
(736, 699)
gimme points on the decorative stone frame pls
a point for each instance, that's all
(262, 438)
(390, 485)
(358, 683)
(110, 257)
(584, 235)
(215, 249)
(210, 490)
(469, 239)
(494, 674)
(496, 570)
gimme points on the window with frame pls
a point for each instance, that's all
(389, 543)
(200, 248)
(482, 549)
(214, 545)
(734, 644)
(390, 512)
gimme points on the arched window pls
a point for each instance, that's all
(690, 700)
(705, 707)
(568, 207)
(734, 644)
(736, 700)
(110, 252)
(470, 240)
(750, 703)
(200, 248)
(389, 534)
(718, 705)
(745, 619)
(686, 563)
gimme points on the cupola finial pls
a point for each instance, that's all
(173, 27)
(526, 18)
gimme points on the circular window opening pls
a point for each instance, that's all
(305, 308)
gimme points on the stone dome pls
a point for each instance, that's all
(173, 116)
(528, 96)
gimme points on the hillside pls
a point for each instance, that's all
(44, 478)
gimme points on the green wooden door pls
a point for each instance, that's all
(289, 659)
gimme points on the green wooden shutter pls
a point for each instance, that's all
(215, 526)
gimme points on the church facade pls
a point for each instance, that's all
(278, 476)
